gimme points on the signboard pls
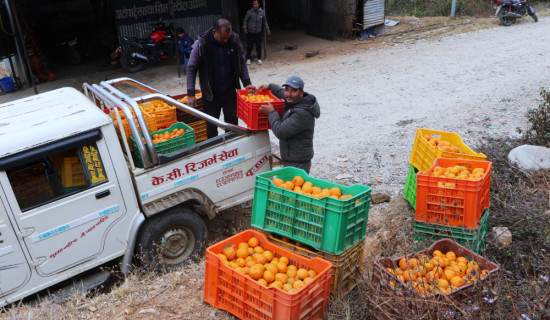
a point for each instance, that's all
(133, 11)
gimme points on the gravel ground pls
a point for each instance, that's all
(373, 97)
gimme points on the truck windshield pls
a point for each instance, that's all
(56, 176)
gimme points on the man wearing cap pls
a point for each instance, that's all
(296, 126)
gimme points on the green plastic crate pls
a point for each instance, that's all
(409, 193)
(328, 224)
(166, 147)
(474, 239)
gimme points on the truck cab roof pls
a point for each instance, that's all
(44, 118)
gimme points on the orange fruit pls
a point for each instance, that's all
(229, 253)
(268, 255)
(240, 262)
(443, 284)
(240, 270)
(438, 253)
(289, 185)
(291, 272)
(451, 256)
(282, 267)
(403, 264)
(307, 187)
(484, 273)
(262, 281)
(269, 276)
(413, 263)
(302, 273)
(335, 191)
(242, 252)
(282, 277)
(298, 284)
(449, 274)
(298, 181)
(287, 287)
(255, 272)
(258, 249)
(277, 284)
(312, 273)
(250, 251)
(271, 267)
(253, 242)
(462, 260)
(222, 256)
(260, 259)
(409, 275)
(316, 190)
(457, 282)
(308, 280)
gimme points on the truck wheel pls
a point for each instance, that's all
(172, 240)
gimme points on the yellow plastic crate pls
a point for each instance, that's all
(423, 153)
(70, 170)
(161, 111)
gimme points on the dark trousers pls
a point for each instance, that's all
(300, 165)
(254, 39)
(227, 102)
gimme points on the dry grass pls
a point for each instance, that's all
(520, 201)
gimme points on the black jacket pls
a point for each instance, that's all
(201, 63)
(295, 128)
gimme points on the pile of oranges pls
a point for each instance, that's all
(457, 172)
(257, 98)
(251, 260)
(152, 108)
(198, 95)
(442, 144)
(167, 135)
(298, 185)
(441, 273)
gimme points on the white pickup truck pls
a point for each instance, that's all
(71, 197)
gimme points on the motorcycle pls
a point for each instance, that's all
(70, 50)
(509, 10)
(135, 53)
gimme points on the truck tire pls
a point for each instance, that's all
(172, 240)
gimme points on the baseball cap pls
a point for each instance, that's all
(295, 82)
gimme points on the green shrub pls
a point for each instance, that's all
(539, 121)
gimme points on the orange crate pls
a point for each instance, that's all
(461, 206)
(200, 130)
(227, 289)
(70, 170)
(168, 114)
(423, 153)
(150, 121)
(382, 278)
(250, 113)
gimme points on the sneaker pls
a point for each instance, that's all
(247, 61)
(260, 61)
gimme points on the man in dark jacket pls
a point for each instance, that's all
(254, 22)
(295, 128)
(218, 58)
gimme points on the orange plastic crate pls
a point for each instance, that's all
(161, 116)
(70, 170)
(250, 113)
(200, 130)
(150, 122)
(423, 154)
(227, 289)
(461, 206)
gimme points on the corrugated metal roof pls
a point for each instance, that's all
(373, 13)
(37, 120)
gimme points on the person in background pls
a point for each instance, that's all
(218, 58)
(296, 126)
(254, 22)
(185, 45)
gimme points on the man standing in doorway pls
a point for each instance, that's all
(218, 58)
(254, 22)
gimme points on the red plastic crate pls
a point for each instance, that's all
(185, 117)
(227, 289)
(250, 113)
(461, 206)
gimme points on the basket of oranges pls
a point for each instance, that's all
(253, 278)
(327, 216)
(248, 108)
(178, 136)
(444, 270)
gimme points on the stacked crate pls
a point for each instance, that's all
(447, 207)
(328, 228)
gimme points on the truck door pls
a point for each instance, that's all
(14, 269)
(65, 198)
